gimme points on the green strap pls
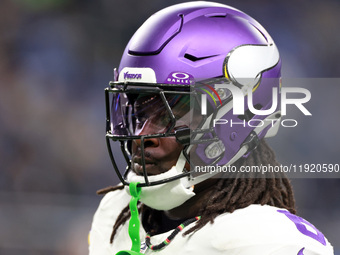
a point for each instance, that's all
(134, 223)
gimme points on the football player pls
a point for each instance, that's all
(174, 108)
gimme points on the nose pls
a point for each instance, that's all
(148, 142)
(147, 129)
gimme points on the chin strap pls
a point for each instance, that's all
(134, 223)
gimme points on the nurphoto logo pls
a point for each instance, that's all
(238, 106)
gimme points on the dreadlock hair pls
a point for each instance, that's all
(230, 193)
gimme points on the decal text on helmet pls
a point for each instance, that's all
(179, 78)
(128, 75)
(137, 74)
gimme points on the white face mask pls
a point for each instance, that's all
(164, 196)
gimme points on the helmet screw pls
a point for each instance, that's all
(233, 136)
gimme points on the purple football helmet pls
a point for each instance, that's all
(209, 73)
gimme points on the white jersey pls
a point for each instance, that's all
(255, 229)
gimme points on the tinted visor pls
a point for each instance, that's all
(136, 113)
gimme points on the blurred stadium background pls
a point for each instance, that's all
(56, 58)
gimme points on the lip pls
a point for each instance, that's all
(137, 166)
(139, 160)
(138, 169)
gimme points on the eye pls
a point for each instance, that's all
(140, 120)
(166, 120)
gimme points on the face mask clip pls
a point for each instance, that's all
(252, 141)
(183, 135)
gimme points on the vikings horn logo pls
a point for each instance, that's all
(245, 64)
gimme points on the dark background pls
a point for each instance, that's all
(56, 58)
